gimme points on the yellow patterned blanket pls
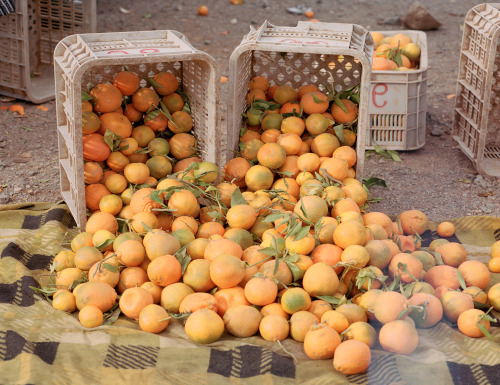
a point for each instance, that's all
(39, 345)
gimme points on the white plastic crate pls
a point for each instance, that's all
(28, 37)
(82, 61)
(398, 103)
(296, 56)
(476, 120)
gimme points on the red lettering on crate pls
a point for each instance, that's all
(110, 52)
(289, 41)
(149, 50)
(317, 42)
(376, 93)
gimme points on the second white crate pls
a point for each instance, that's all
(398, 103)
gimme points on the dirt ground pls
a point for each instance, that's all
(437, 179)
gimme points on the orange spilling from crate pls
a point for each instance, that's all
(278, 242)
(396, 52)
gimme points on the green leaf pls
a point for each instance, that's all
(237, 198)
(109, 137)
(155, 196)
(461, 279)
(394, 155)
(110, 267)
(86, 96)
(302, 233)
(267, 251)
(154, 83)
(330, 299)
(339, 131)
(152, 115)
(273, 217)
(408, 289)
(316, 99)
(339, 103)
(166, 112)
(404, 313)
(296, 272)
(105, 244)
(485, 331)
(373, 181)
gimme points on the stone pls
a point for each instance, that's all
(419, 18)
(4, 198)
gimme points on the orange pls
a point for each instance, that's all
(184, 203)
(107, 97)
(92, 172)
(204, 326)
(494, 296)
(352, 357)
(165, 83)
(95, 148)
(258, 178)
(227, 298)
(132, 114)
(284, 94)
(271, 155)
(362, 331)
(295, 299)
(311, 208)
(324, 144)
(173, 102)
(455, 303)
(90, 317)
(431, 312)
(398, 337)
(218, 247)
(255, 94)
(452, 253)
(349, 233)
(153, 319)
(182, 145)
(242, 320)
(342, 117)
(274, 328)
(413, 221)
(290, 142)
(494, 265)
(90, 123)
(475, 273)
(495, 250)
(413, 269)
(172, 296)
(320, 280)
(235, 170)
(196, 301)
(143, 135)
(389, 305)
(227, 271)
(259, 82)
(337, 168)
(314, 102)
(94, 293)
(127, 82)
(320, 342)
(164, 270)
(330, 254)
(64, 300)
(101, 221)
(261, 291)
(145, 99)
(468, 323)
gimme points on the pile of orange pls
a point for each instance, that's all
(277, 243)
(396, 52)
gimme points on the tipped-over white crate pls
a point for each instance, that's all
(28, 37)
(476, 120)
(296, 56)
(398, 103)
(83, 61)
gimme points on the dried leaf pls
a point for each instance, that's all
(223, 79)
(43, 108)
(123, 10)
(450, 96)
